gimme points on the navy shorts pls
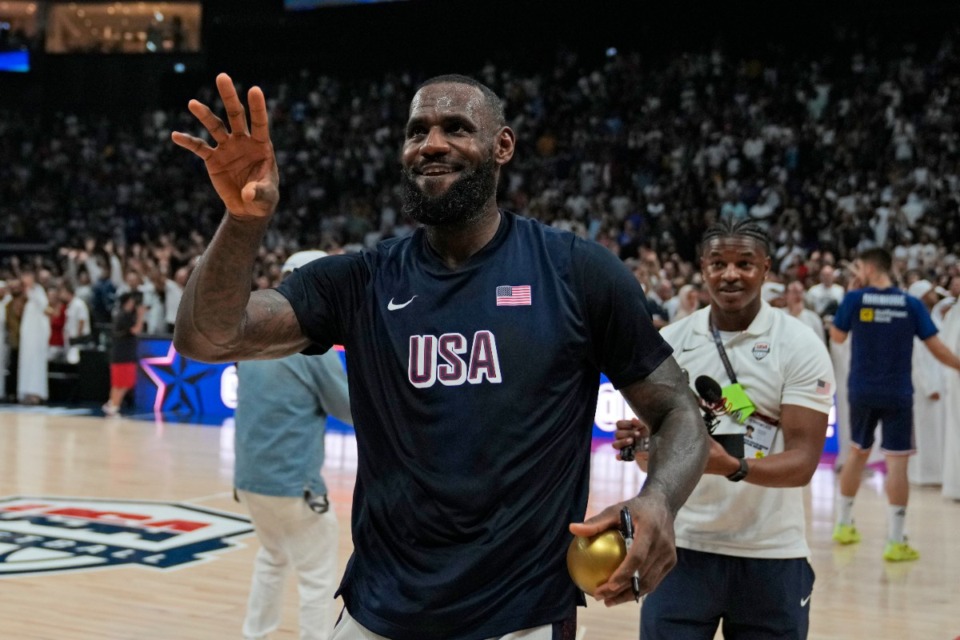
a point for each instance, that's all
(896, 427)
(753, 599)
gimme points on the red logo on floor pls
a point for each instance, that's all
(43, 535)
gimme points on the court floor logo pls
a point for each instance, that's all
(45, 535)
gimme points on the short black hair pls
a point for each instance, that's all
(730, 227)
(878, 257)
(492, 100)
(136, 296)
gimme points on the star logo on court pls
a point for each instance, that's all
(178, 382)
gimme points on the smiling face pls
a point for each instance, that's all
(452, 154)
(734, 268)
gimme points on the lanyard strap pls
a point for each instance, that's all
(723, 353)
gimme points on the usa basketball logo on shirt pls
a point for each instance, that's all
(514, 296)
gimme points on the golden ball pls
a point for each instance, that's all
(591, 561)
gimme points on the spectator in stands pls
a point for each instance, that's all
(16, 301)
(797, 308)
(929, 378)
(951, 440)
(57, 316)
(174, 292)
(689, 297)
(827, 289)
(77, 325)
(127, 325)
(4, 349)
(34, 342)
(104, 298)
(774, 294)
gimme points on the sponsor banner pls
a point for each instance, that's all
(170, 383)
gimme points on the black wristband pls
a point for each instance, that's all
(740, 473)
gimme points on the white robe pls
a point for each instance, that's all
(950, 335)
(926, 467)
(34, 346)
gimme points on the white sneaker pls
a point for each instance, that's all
(109, 410)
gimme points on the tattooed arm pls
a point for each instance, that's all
(678, 454)
(219, 320)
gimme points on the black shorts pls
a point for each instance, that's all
(896, 427)
(754, 599)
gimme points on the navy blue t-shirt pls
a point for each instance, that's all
(883, 323)
(473, 394)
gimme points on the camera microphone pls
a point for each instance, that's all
(710, 392)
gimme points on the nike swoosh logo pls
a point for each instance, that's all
(804, 602)
(391, 306)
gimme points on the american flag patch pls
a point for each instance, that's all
(823, 387)
(508, 296)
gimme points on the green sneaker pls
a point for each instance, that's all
(846, 534)
(900, 552)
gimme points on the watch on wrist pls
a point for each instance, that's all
(740, 473)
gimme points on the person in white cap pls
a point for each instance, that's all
(948, 298)
(282, 407)
(772, 293)
(926, 466)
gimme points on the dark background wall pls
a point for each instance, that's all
(258, 39)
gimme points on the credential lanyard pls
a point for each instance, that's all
(723, 353)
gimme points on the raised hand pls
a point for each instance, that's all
(242, 167)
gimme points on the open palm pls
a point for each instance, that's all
(242, 167)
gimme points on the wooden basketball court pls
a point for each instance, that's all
(857, 595)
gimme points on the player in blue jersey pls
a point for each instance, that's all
(474, 351)
(883, 321)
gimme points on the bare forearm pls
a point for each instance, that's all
(837, 336)
(792, 468)
(678, 442)
(213, 308)
(678, 455)
(942, 353)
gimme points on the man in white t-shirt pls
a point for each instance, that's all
(824, 292)
(741, 549)
(77, 322)
(77, 316)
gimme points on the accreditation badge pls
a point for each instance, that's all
(759, 437)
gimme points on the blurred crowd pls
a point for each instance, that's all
(856, 147)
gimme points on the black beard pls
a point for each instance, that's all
(461, 205)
